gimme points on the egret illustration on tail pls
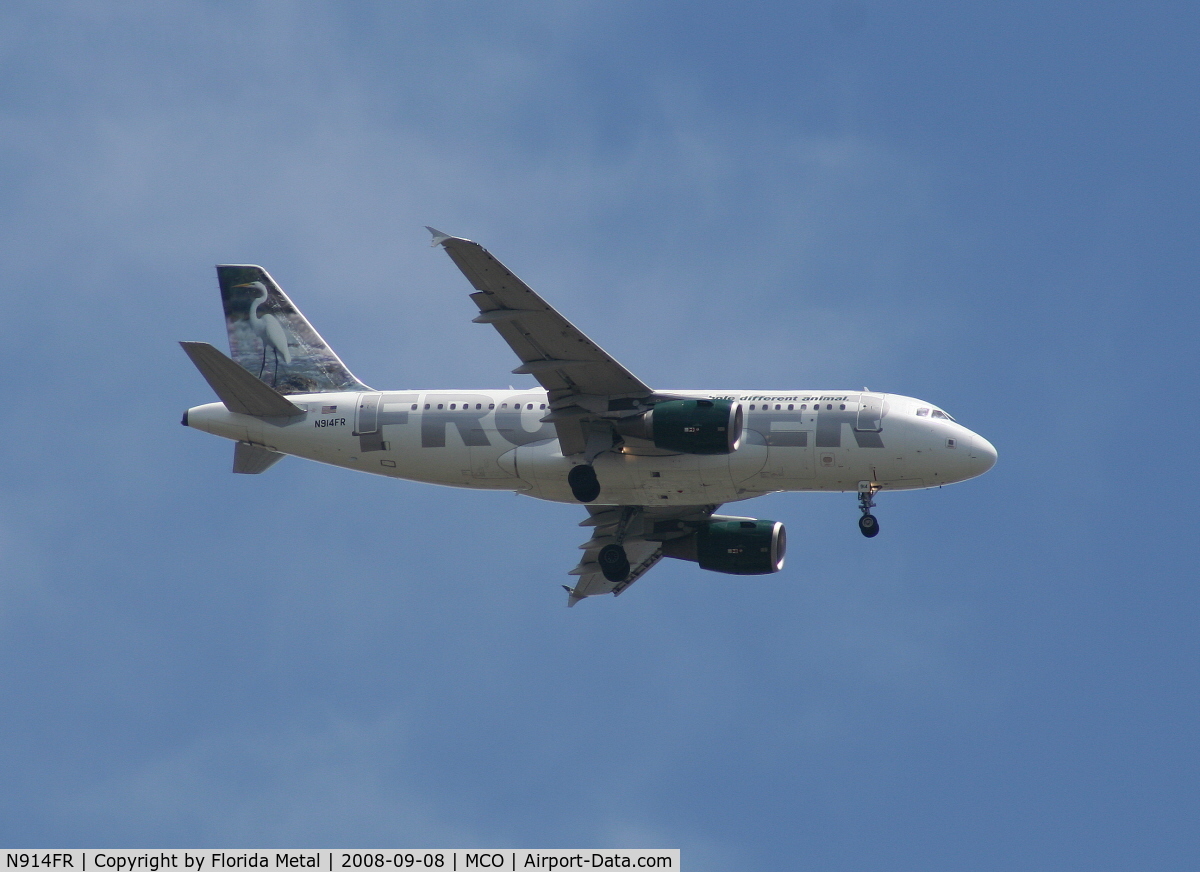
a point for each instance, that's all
(650, 466)
(268, 330)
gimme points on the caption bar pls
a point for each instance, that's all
(337, 861)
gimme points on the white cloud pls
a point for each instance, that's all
(332, 782)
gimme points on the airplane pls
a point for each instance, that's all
(651, 467)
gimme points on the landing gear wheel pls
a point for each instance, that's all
(869, 526)
(613, 562)
(584, 485)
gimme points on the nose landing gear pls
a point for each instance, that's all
(868, 524)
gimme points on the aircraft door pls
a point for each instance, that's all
(870, 413)
(366, 423)
(366, 420)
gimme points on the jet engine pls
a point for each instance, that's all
(735, 546)
(689, 426)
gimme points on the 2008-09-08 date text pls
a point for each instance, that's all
(397, 861)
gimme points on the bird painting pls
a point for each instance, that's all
(268, 329)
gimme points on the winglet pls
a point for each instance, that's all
(438, 237)
(571, 598)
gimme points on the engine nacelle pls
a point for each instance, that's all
(689, 426)
(736, 546)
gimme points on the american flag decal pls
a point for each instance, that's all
(328, 410)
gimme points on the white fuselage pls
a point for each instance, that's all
(793, 441)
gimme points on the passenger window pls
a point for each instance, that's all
(439, 405)
(542, 406)
(427, 405)
(491, 405)
(752, 407)
(778, 407)
(414, 407)
(451, 406)
(791, 407)
(842, 407)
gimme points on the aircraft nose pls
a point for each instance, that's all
(983, 455)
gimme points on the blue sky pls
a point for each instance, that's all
(992, 208)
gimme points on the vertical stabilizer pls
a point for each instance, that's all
(270, 338)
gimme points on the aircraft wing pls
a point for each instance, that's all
(580, 376)
(641, 531)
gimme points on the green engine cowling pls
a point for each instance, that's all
(735, 546)
(689, 426)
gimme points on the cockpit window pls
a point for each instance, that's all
(938, 413)
(922, 413)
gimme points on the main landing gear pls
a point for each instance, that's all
(582, 480)
(868, 524)
(613, 562)
(585, 487)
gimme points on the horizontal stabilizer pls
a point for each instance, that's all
(238, 389)
(251, 459)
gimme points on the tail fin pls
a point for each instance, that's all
(269, 337)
